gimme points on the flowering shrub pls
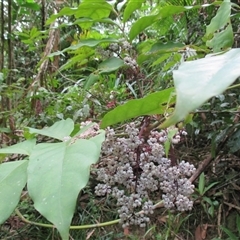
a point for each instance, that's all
(133, 166)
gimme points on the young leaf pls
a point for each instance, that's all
(13, 178)
(20, 148)
(56, 174)
(199, 80)
(155, 103)
(58, 130)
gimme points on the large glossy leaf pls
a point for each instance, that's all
(155, 103)
(58, 130)
(13, 178)
(199, 80)
(110, 65)
(132, 5)
(56, 174)
(24, 147)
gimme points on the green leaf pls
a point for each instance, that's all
(221, 18)
(219, 32)
(211, 210)
(81, 58)
(199, 80)
(24, 147)
(58, 130)
(233, 141)
(66, 11)
(110, 65)
(208, 200)
(13, 178)
(144, 22)
(132, 5)
(238, 223)
(155, 103)
(229, 233)
(141, 25)
(91, 80)
(163, 12)
(88, 42)
(33, 6)
(201, 184)
(56, 174)
(93, 9)
(160, 47)
(167, 145)
(210, 186)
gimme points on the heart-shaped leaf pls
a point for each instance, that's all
(56, 174)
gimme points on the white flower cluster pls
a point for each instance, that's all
(130, 62)
(126, 46)
(133, 167)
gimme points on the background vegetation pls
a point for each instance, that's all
(168, 66)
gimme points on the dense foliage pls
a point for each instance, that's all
(106, 100)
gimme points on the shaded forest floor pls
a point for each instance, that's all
(215, 214)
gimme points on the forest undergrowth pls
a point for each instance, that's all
(119, 120)
(215, 204)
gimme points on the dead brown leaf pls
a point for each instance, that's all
(201, 232)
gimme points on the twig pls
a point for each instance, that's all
(201, 168)
(157, 205)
